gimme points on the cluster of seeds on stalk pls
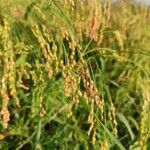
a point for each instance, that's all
(9, 62)
(4, 111)
(48, 56)
(104, 145)
(119, 39)
(11, 79)
(106, 12)
(90, 90)
(4, 90)
(41, 89)
(112, 117)
(91, 120)
(70, 81)
(94, 22)
(144, 131)
(91, 95)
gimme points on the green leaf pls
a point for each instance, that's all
(126, 123)
(110, 134)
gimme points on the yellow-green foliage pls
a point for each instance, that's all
(74, 75)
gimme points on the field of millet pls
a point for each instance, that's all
(74, 74)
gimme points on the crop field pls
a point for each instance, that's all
(74, 75)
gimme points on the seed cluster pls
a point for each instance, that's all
(112, 117)
(4, 89)
(144, 125)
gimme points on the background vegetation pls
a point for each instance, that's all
(74, 75)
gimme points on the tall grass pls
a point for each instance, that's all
(74, 75)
